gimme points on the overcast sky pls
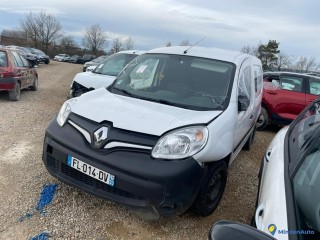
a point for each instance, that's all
(229, 24)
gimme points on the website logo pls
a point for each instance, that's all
(272, 229)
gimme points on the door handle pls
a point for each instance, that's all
(251, 117)
(259, 216)
(272, 93)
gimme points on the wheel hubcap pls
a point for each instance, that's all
(214, 189)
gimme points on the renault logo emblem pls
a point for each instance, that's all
(100, 135)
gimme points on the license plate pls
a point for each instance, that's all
(91, 171)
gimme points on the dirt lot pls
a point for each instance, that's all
(76, 215)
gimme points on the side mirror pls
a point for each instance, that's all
(227, 230)
(243, 103)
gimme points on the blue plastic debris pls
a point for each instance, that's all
(28, 215)
(46, 196)
(41, 236)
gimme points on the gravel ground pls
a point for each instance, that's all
(76, 215)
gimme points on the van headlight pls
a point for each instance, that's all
(181, 143)
(64, 112)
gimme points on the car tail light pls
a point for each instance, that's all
(6, 75)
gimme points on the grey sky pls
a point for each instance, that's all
(228, 24)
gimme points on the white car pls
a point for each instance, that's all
(95, 62)
(288, 204)
(61, 57)
(102, 75)
(160, 138)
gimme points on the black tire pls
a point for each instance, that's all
(14, 94)
(211, 190)
(34, 87)
(263, 119)
(247, 145)
(46, 62)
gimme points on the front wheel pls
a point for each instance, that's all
(263, 119)
(211, 190)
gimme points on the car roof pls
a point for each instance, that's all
(290, 73)
(204, 52)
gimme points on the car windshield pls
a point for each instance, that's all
(99, 59)
(114, 64)
(304, 167)
(183, 81)
(39, 52)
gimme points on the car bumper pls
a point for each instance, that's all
(152, 188)
(7, 83)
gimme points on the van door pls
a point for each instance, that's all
(245, 119)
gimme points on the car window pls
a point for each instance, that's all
(314, 86)
(25, 62)
(18, 59)
(3, 59)
(271, 82)
(291, 83)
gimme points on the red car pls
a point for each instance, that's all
(16, 73)
(285, 95)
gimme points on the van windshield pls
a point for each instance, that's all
(182, 81)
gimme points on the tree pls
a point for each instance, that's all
(311, 64)
(283, 61)
(42, 29)
(185, 43)
(128, 44)
(94, 39)
(252, 50)
(268, 54)
(168, 44)
(68, 45)
(116, 46)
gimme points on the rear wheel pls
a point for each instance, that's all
(34, 87)
(211, 189)
(14, 94)
(263, 119)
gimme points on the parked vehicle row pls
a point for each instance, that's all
(35, 56)
(74, 59)
(16, 73)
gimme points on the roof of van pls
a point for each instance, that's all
(213, 53)
(138, 52)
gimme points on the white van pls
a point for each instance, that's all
(160, 138)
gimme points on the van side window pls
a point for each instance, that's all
(258, 79)
(245, 89)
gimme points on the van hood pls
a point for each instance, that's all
(93, 80)
(136, 114)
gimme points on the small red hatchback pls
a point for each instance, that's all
(285, 95)
(16, 73)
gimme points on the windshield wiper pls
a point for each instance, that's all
(126, 92)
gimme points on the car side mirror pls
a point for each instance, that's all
(243, 103)
(228, 230)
